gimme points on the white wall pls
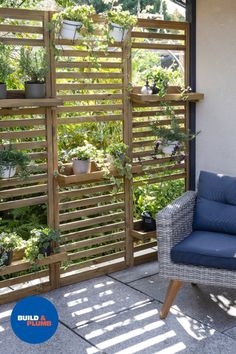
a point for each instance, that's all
(216, 78)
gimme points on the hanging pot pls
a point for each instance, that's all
(3, 90)
(35, 89)
(148, 223)
(117, 33)
(8, 259)
(69, 30)
(7, 171)
(81, 166)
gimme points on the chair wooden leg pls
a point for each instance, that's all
(172, 291)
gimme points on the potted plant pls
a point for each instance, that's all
(81, 158)
(119, 22)
(10, 159)
(9, 241)
(40, 244)
(5, 69)
(171, 138)
(34, 69)
(118, 161)
(74, 22)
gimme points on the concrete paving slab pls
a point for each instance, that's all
(135, 273)
(213, 306)
(90, 300)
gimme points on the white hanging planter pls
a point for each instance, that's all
(69, 30)
(81, 166)
(168, 148)
(117, 33)
(7, 171)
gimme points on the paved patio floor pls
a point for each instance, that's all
(119, 313)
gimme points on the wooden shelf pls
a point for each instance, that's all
(93, 176)
(139, 234)
(19, 266)
(190, 97)
(30, 102)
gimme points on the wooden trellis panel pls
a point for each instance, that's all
(98, 233)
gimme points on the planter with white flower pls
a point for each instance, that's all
(172, 139)
(34, 68)
(81, 158)
(119, 23)
(11, 160)
(75, 22)
(9, 241)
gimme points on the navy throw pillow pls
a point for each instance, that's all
(217, 187)
(214, 216)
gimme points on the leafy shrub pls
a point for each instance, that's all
(5, 64)
(33, 64)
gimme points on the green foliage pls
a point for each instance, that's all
(117, 149)
(119, 162)
(79, 13)
(174, 132)
(10, 241)
(5, 63)
(121, 18)
(11, 158)
(33, 64)
(39, 241)
(154, 197)
(82, 152)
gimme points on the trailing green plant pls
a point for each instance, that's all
(5, 63)
(154, 197)
(34, 64)
(174, 132)
(10, 158)
(78, 13)
(122, 18)
(40, 243)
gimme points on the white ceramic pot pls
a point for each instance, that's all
(117, 32)
(69, 30)
(168, 149)
(81, 166)
(8, 172)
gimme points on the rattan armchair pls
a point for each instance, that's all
(174, 223)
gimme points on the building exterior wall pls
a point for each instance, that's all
(216, 78)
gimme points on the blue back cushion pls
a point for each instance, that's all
(216, 204)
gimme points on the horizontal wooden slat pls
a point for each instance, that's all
(89, 75)
(24, 278)
(98, 250)
(91, 108)
(22, 111)
(86, 64)
(23, 191)
(92, 87)
(22, 134)
(22, 41)
(90, 118)
(29, 146)
(21, 29)
(136, 34)
(82, 54)
(22, 123)
(86, 191)
(159, 46)
(149, 23)
(29, 102)
(22, 14)
(92, 231)
(92, 97)
(93, 221)
(23, 202)
(12, 182)
(160, 179)
(90, 211)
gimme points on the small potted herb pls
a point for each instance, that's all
(10, 160)
(171, 138)
(81, 158)
(40, 244)
(9, 241)
(5, 69)
(119, 23)
(74, 22)
(34, 69)
(118, 160)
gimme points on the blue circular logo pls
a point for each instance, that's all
(34, 319)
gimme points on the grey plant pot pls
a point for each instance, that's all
(3, 91)
(81, 166)
(35, 89)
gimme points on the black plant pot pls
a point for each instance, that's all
(8, 260)
(148, 223)
(3, 91)
(35, 89)
(46, 250)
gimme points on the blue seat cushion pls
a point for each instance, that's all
(214, 216)
(220, 188)
(208, 249)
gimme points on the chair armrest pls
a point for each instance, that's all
(174, 222)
